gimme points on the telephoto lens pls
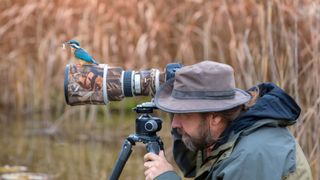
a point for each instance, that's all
(91, 84)
(99, 84)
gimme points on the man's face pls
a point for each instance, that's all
(194, 128)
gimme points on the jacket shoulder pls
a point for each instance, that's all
(265, 153)
(271, 139)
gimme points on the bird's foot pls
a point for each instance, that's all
(79, 65)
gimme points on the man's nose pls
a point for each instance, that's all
(175, 122)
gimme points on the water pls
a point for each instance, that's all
(74, 149)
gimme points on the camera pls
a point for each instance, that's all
(99, 84)
(145, 123)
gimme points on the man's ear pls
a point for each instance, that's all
(214, 119)
(217, 125)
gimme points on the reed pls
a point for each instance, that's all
(276, 41)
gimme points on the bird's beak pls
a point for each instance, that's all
(65, 44)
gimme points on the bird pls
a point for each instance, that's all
(80, 53)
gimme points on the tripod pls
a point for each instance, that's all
(146, 128)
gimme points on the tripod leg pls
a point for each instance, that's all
(153, 147)
(122, 159)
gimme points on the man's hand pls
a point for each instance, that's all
(155, 165)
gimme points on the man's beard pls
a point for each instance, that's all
(201, 141)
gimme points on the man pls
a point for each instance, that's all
(221, 132)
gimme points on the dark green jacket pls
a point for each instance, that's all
(257, 145)
(261, 152)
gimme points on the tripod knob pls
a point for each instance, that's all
(153, 147)
(151, 126)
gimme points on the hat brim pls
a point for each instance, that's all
(166, 102)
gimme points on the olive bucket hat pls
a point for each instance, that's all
(207, 86)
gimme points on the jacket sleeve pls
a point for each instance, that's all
(168, 175)
(185, 159)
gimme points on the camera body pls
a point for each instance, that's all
(99, 84)
(145, 123)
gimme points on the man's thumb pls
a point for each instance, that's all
(161, 153)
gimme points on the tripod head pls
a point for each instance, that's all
(146, 107)
(146, 125)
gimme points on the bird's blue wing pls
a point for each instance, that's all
(83, 55)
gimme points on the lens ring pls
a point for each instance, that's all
(66, 82)
(127, 84)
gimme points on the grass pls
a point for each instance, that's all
(276, 41)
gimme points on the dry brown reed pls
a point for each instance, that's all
(275, 40)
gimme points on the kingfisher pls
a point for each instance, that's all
(80, 53)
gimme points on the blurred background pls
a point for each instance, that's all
(263, 40)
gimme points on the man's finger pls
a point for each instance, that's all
(150, 157)
(149, 173)
(147, 164)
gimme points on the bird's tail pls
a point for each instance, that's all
(95, 62)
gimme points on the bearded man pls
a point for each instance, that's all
(222, 132)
